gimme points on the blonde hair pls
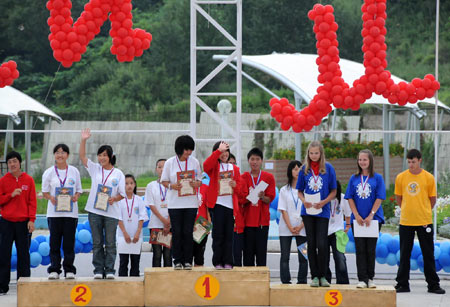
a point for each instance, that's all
(307, 160)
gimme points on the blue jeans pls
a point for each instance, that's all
(285, 246)
(104, 251)
(339, 261)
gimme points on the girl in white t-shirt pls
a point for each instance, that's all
(182, 200)
(107, 189)
(57, 180)
(133, 214)
(156, 199)
(291, 226)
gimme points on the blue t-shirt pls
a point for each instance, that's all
(364, 199)
(324, 184)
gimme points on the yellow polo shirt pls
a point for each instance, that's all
(416, 191)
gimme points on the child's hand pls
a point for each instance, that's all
(136, 237)
(85, 134)
(127, 237)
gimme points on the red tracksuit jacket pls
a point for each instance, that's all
(22, 207)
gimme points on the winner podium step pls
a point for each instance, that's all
(241, 286)
(122, 291)
(336, 295)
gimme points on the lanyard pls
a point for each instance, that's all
(103, 175)
(130, 212)
(363, 184)
(293, 199)
(161, 193)
(223, 168)
(62, 182)
(257, 180)
(316, 178)
(179, 165)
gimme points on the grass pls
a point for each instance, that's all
(86, 184)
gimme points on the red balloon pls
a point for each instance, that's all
(276, 107)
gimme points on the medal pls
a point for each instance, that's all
(316, 179)
(186, 166)
(130, 212)
(363, 195)
(257, 180)
(62, 182)
(363, 185)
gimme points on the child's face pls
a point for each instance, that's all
(160, 167)
(295, 171)
(129, 185)
(224, 156)
(314, 154)
(103, 158)
(232, 161)
(414, 164)
(255, 162)
(363, 161)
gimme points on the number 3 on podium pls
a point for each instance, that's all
(333, 298)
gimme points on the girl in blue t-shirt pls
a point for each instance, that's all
(365, 192)
(316, 187)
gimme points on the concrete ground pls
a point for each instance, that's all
(385, 275)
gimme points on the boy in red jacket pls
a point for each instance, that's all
(257, 215)
(18, 209)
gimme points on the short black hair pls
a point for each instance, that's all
(64, 148)
(135, 184)
(413, 153)
(291, 166)
(231, 157)
(109, 152)
(255, 151)
(159, 160)
(12, 155)
(182, 143)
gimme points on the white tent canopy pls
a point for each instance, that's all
(299, 72)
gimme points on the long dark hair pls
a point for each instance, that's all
(291, 166)
(109, 152)
(135, 184)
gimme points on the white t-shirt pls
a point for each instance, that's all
(154, 195)
(131, 215)
(50, 182)
(226, 200)
(337, 213)
(113, 178)
(171, 167)
(286, 202)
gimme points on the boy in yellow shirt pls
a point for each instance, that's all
(415, 192)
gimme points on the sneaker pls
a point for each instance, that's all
(219, 267)
(314, 282)
(371, 284)
(437, 290)
(178, 266)
(324, 282)
(401, 289)
(3, 292)
(361, 285)
(188, 266)
(110, 276)
(98, 276)
(228, 267)
(70, 275)
(53, 276)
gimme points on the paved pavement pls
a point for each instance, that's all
(385, 276)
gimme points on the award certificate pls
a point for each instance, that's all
(157, 236)
(224, 183)
(185, 178)
(64, 199)
(101, 200)
(202, 227)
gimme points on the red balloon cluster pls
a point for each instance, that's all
(69, 42)
(334, 89)
(8, 73)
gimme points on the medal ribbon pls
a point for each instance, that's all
(257, 180)
(223, 168)
(316, 178)
(161, 193)
(128, 209)
(103, 175)
(62, 182)
(179, 165)
(363, 184)
(294, 200)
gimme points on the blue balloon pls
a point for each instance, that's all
(34, 245)
(350, 235)
(444, 259)
(47, 239)
(391, 259)
(87, 226)
(14, 262)
(61, 252)
(84, 236)
(420, 261)
(44, 249)
(87, 248)
(382, 251)
(413, 264)
(78, 247)
(421, 268)
(149, 213)
(35, 259)
(350, 248)
(397, 256)
(273, 214)
(416, 251)
(45, 260)
(274, 203)
(40, 239)
(445, 247)
(14, 250)
(447, 269)
(385, 238)
(438, 266)
(80, 227)
(437, 252)
(381, 260)
(394, 245)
